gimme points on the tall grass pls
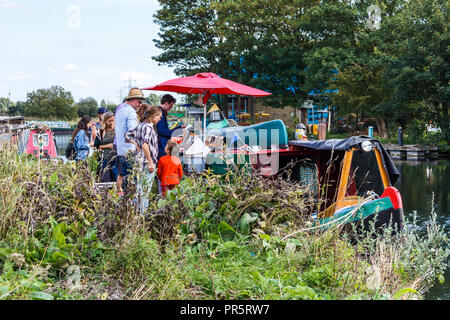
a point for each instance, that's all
(213, 237)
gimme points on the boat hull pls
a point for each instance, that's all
(375, 215)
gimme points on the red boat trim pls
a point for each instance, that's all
(395, 197)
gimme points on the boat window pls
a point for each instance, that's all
(36, 142)
(308, 175)
(364, 174)
(330, 171)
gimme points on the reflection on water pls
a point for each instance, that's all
(62, 140)
(423, 185)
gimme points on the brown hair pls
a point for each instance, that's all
(170, 145)
(167, 98)
(106, 116)
(82, 125)
(147, 112)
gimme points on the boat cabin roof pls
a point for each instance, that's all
(332, 144)
(342, 145)
(14, 120)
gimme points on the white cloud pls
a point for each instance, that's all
(7, 4)
(11, 4)
(119, 2)
(104, 73)
(82, 82)
(70, 67)
(53, 70)
(21, 76)
(140, 77)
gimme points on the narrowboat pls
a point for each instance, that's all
(353, 177)
(41, 143)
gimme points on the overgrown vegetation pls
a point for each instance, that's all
(211, 238)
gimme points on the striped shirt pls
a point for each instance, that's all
(144, 133)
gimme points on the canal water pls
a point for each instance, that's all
(423, 185)
(62, 138)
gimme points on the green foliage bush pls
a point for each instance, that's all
(211, 238)
(417, 133)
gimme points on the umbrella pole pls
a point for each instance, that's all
(204, 122)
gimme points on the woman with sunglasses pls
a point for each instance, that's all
(104, 142)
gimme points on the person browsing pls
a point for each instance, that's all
(170, 170)
(104, 142)
(126, 120)
(164, 133)
(145, 138)
(80, 138)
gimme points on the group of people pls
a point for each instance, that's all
(137, 137)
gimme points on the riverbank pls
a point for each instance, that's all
(210, 239)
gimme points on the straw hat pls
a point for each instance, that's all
(135, 93)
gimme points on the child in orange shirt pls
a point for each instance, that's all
(169, 169)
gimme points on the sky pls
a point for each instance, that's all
(89, 47)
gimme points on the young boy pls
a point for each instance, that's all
(169, 169)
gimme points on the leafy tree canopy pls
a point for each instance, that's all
(387, 58)
(87, 106)
(52, 103)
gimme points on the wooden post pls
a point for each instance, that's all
(322, 131)
(224, 104)
(329, 119)
(237, 109)
(251, 105)
(304, 116)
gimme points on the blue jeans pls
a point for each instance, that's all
(108, 172)
(125, 167)
(144, 187)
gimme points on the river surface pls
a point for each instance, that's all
(423, 185)
(62, 140)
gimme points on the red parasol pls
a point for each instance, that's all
(207, 84)
(204, 83)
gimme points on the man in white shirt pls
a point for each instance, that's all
(126, 120)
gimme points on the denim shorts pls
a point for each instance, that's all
(125, 165)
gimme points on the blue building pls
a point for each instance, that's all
(318, 110)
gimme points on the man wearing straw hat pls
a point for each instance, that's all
(126, 120)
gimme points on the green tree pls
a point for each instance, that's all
(5, 105)
(267, 46)
(153, 99)
(111, 106)
(360, 90)
(17, 109)
(52, 103)
(189, 37)
(87, 106)
(395, 73)
(256, 42)
(352, 48)
(418, 64)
